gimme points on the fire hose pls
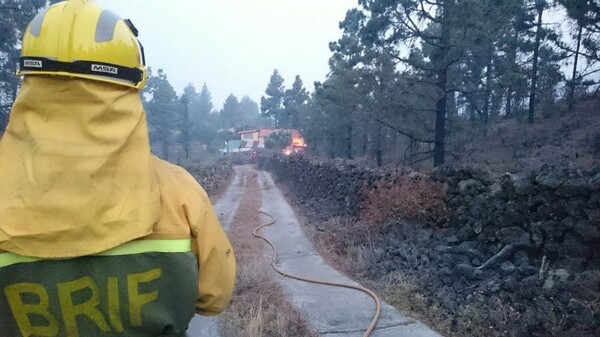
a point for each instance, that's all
(305, 279)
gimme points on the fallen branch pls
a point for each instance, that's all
(502, 254)
(543, 268)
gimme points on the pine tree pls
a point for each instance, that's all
(203, 106)
(294, 102)
(161, 110)
(231, 114)
(585, 15)
(271, 106)
(204, 121)
(187, 100)
(395, 26)
(250, 113)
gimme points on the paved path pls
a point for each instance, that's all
(331, 311)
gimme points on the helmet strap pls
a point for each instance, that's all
(41, 64)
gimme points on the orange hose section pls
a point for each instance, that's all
(334, 284)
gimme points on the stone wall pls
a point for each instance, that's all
(554, 212)
(331, 187)
(212, 177)
(530, 244)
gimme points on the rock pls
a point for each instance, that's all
(443, 250)
(513, 185)
(588, 230)
(515, 234)
(510, 285)
(558, 210)
(593, 214)
(452, 240)
(550, 178)
(494, 286)
(595, 182)
(496, 188)
(470, 187)
(523, 185)
(568, 223)
(530, 281)
(452, 259)
(553, 232)
(561, 275)
(520, 258)
(576, 307)
(537, 237)
(554, 276)
(446, 271)
(528, 270)
(465, 270)
(507, 268)
(576, 187)
(465, 234)
(575, 265)
(574, 246)
(575, 207)
(587, 285)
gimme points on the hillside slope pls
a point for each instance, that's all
(570, 139)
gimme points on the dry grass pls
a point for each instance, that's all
(259, 306)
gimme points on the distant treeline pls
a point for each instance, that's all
(409, 80)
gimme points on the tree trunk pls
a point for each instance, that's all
(349, 141)
(509, 98)
(378, 148)
(534, 69)
(439, 150)
(571, 98)
(365, 140)
(333, 149)
(510, 91)
(488, 83)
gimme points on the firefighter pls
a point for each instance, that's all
(97, 236)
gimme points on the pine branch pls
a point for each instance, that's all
(403, 132)
(564, 47)
(409, 160)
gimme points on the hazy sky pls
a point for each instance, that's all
(234, 46)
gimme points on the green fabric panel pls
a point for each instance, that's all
(133, 247)
(175, 284)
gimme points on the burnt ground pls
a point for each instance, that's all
(429, 273)
(563, 139)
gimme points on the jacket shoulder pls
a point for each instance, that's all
(175, 179)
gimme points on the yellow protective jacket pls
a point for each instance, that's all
(97, 236)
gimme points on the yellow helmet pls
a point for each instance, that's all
(78, 38)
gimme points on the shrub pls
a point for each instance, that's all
(407, 198)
